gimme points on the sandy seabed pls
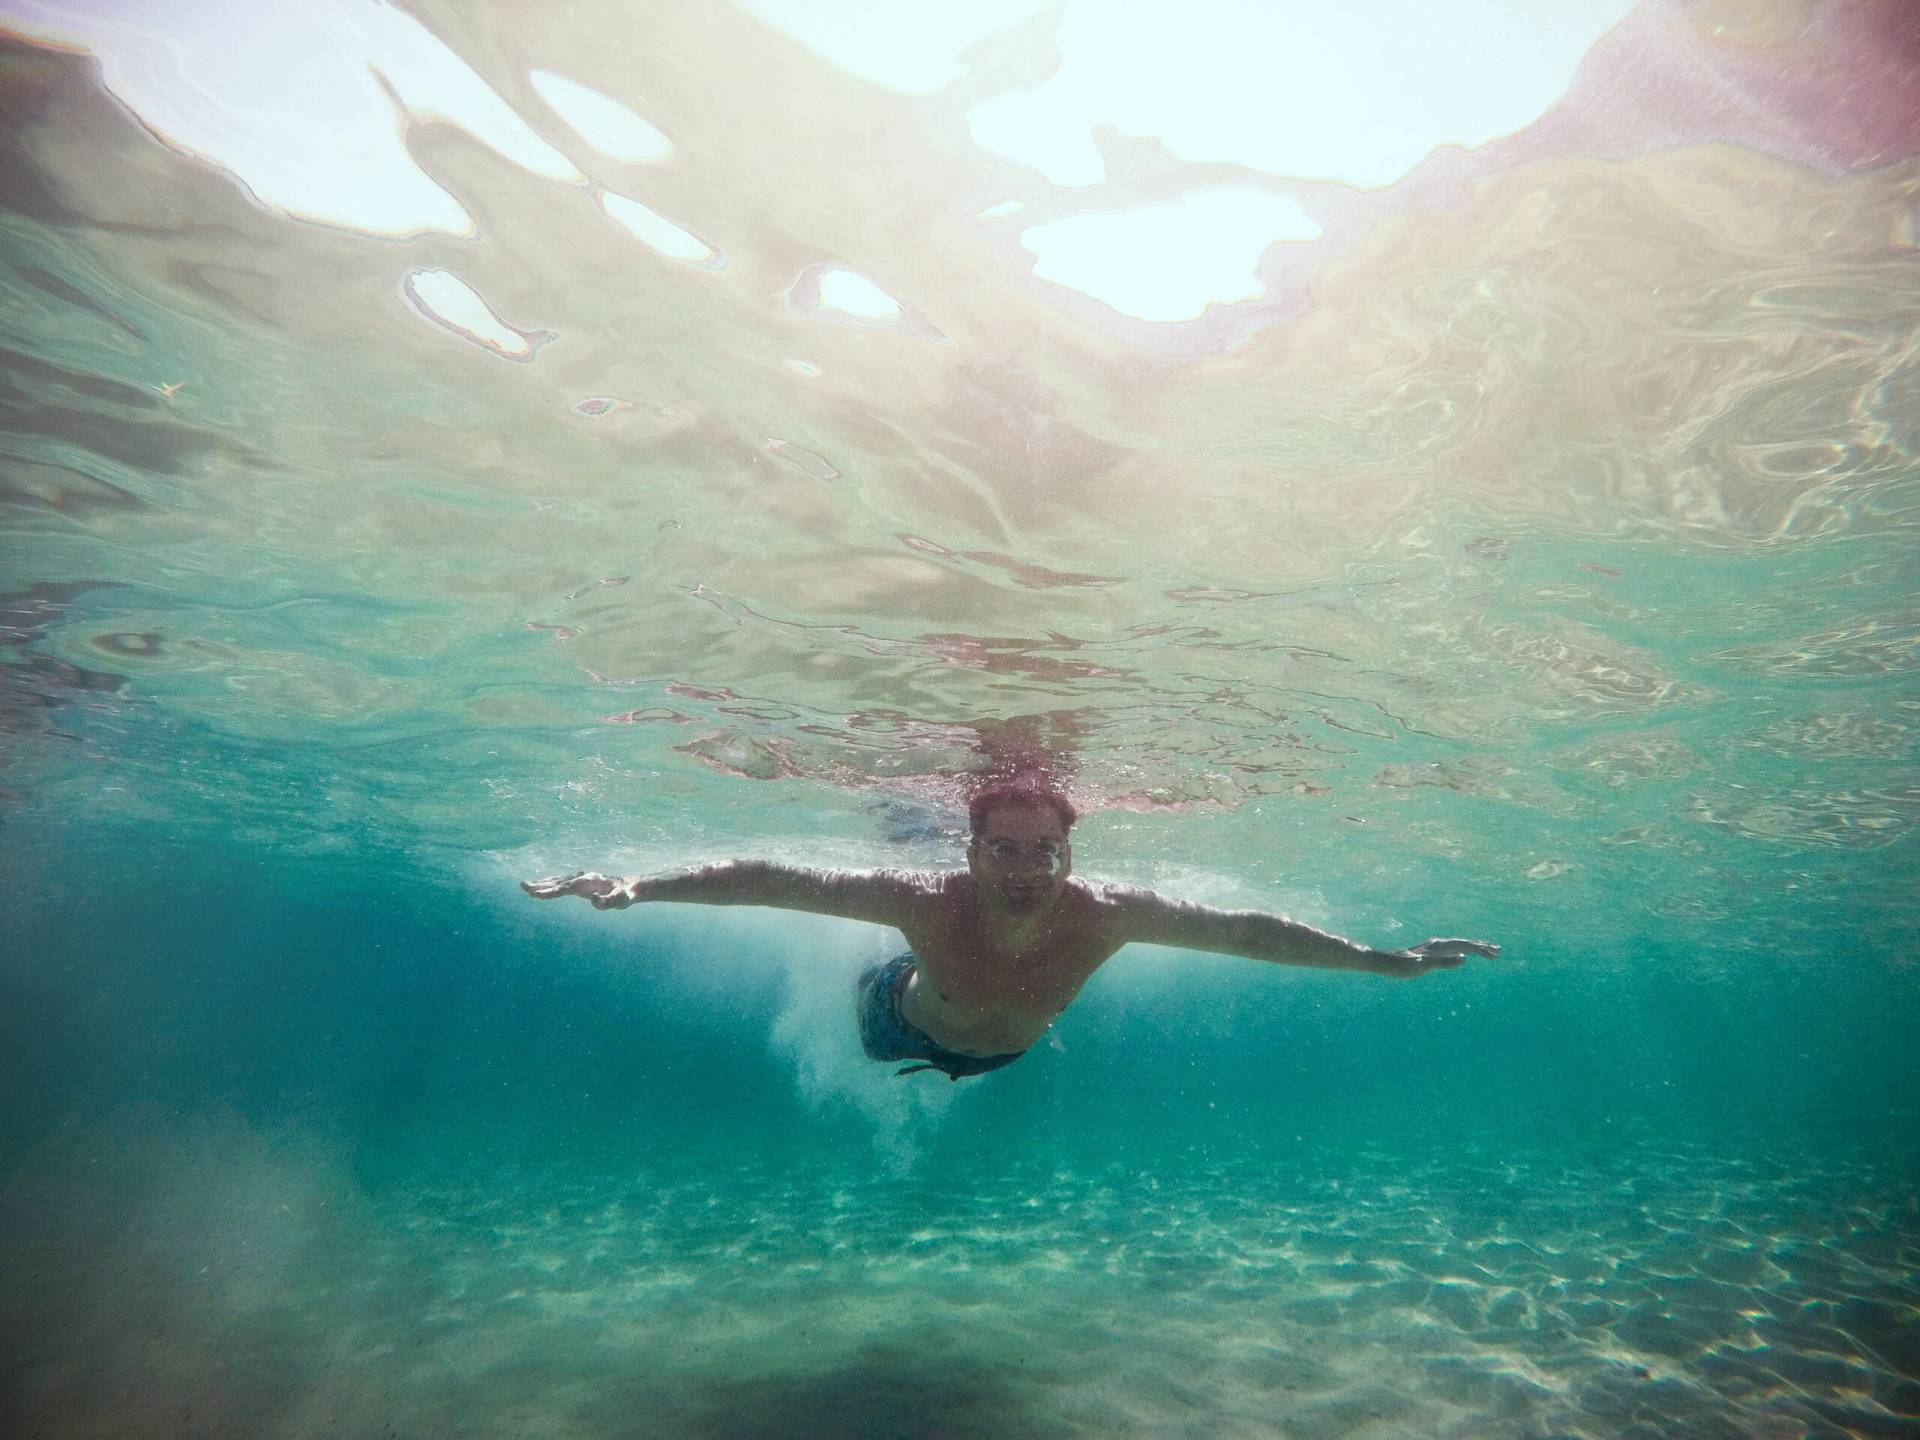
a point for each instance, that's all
(225, 1283)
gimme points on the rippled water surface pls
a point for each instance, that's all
(1438, 473)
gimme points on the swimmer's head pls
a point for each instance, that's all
(1028, 793)
(1019, 851)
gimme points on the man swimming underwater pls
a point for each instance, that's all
(1001, 948)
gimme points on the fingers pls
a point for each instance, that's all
(1439, 955)
(554, 886)
(1461, 948)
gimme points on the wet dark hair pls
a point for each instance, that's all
(1017, 792)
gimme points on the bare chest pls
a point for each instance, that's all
(965, 972)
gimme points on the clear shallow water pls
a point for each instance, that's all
(1532, 559)
(1344, 1292)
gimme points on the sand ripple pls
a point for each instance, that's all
(1644, 1292)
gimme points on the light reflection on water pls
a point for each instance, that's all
(1560, 494)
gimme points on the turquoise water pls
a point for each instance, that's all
(1531, 557)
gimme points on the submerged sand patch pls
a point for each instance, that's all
(214, 1281)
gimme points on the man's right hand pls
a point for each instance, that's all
(603, 892)
(1430, 955)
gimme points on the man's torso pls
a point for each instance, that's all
(975, 992)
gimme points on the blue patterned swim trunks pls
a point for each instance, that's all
(886, 1034)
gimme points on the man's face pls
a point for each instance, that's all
(1021, 858)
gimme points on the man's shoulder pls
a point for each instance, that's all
(1108, 906)
(921, 885)
(1111, 894)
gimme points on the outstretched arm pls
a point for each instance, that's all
(881, 896)
(1260, 935)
